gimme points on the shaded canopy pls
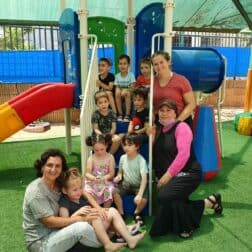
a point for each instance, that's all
(208, 15)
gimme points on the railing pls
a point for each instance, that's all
(207, 39)
(88, 103)
(16, 37)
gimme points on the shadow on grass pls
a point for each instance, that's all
(19, 178)
(237, 205)
(16, 179)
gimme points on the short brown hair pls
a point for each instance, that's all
(146, 61)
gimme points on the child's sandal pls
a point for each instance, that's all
(138, 219)
(135, 229)
(217, 203)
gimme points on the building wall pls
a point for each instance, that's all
(234, 97)
(235, 91)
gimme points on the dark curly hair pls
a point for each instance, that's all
(39, 163)
(105, 139)
(141, 92)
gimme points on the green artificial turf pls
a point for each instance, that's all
(230, 232)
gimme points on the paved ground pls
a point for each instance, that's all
(58, 130)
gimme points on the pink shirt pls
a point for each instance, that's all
(175, 89)
(184, 137)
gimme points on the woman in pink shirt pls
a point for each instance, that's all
(170, 85)
(179, 174)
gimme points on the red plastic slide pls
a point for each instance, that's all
(33, 104)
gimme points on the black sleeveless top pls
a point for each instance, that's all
(165, 151)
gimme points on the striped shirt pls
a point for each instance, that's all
(124, 81)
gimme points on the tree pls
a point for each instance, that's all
(15, 38)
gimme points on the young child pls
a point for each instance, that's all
(105, 81)
(73, 203)
(143, 80)
(132, 176)
(139, 121)
(123, 81)
(104, 120)
(100, 170)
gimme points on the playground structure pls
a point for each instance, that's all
(32, 104)
(197, 63)
(243, 121)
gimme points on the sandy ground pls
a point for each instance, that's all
(58, 130)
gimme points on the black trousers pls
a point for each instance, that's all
(176, 213)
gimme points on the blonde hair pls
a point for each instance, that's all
(71, 175)
(100, 94)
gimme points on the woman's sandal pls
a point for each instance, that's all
(186, 234)
(217, 203)
(138, 219)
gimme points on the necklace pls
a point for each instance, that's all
(165, 82)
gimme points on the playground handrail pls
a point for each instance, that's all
(88, 104)
(151, 117)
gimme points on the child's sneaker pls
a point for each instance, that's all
(120, 118)
(126, 118)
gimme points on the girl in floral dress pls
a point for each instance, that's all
(100, 170)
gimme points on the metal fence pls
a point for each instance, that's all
(16, 37)
(207, 39)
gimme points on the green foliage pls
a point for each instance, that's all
(15, 38)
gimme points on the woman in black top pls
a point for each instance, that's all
(179, 174)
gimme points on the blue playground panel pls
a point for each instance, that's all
(31, 66)
(107, 52)
(69, 41)
(150, 20)
(205, 143)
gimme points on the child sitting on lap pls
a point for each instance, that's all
(73, 203)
